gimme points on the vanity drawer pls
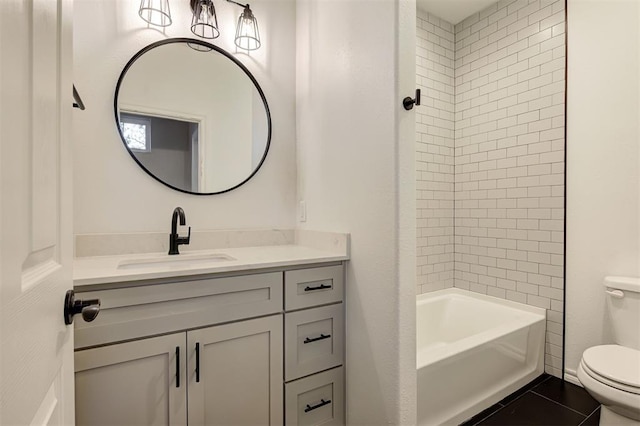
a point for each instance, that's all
(314, 340)
(316, 400)
(135, 312)
(311, 287)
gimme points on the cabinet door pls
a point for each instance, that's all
(135, 383)
(235, 373)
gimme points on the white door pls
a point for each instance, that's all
(36, 236)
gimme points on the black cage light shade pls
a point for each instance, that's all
(247, 34)
(204, 22)
(155, 12)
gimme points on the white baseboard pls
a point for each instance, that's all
(572, 377)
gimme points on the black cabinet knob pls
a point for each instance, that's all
(72, 306)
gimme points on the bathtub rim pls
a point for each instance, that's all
(473, 295)
(533, 315)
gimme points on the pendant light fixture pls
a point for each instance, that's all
(204, 23)
(247, 34)
(155, 12)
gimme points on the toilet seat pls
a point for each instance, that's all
(615, 366)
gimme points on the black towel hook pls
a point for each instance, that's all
(77, 101)
(408, 103)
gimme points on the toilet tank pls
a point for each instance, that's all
(623, 307)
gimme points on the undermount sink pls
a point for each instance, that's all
(181, 260)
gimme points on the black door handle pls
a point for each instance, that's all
(72, 306)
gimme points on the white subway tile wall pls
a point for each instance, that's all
(508, 159)
(435, 152)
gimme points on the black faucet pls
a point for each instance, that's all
(174, 239)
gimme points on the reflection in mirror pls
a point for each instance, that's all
(174, 157)
(195, 120)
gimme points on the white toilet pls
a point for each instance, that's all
(611, 373)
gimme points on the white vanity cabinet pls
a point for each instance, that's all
(133, 383)
(236, 377)
(231, 374)
(314, 346)
(214, 350)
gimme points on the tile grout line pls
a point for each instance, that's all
(486, 417)
(527, 390)
(511, 402)
(592, 413)
(556, 402)
(501, 408)
(521, 395)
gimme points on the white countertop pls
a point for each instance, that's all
(105, 269)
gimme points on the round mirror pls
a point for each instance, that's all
(192, 116)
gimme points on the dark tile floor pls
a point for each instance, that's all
(546, 401)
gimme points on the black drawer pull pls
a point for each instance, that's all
(177, 366)
(320, 287)
(315, 339)
(321, 404)
(198, 362)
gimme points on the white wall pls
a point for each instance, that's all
(355, 63)
(111, 193)
(603, 162)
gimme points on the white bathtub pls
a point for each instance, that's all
(473, 350)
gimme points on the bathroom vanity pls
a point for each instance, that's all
(255, 338)
(229, 327)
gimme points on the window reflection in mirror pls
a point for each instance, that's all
(174, 154)
(136, 130)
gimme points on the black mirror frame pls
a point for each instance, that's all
(209, 47)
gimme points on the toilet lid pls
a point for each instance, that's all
(616, 363)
